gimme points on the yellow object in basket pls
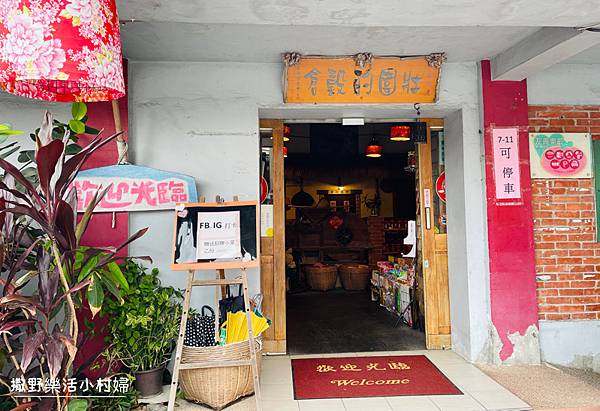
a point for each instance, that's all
(236, 326)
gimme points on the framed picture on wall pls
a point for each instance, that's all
(216, 236)
(560, 155)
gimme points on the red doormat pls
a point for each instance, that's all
(354, 377)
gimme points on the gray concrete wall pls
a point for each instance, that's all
(467, 251)
(565, 84)
(27, 115)
(468, 267)
(569, 343)
(201, 119)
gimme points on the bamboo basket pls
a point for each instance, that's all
(218, 387)
(355, 276)
(322, 278)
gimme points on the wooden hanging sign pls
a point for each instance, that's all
(133, 188)
(361, 79)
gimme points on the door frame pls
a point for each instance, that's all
(434, 253)
(272, 276)
(273, 283)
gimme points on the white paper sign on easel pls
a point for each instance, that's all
(219, 235)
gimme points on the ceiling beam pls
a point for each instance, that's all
(542, 49)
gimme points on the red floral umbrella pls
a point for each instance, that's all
(61, 50)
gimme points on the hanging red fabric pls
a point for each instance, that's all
(61, 50)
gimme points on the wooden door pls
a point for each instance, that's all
(272, 264)
(434, 255)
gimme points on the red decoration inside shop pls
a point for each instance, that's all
(400, 133)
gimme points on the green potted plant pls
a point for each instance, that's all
(143, 328)
(46, 275)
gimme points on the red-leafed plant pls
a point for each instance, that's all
(40, 238)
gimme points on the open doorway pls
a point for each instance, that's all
(283, 275)
(350, 237)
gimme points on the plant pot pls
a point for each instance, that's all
(149, 383)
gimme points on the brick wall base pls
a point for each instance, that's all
(567, 253)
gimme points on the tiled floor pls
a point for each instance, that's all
(481, 392)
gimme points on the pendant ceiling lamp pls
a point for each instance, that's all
(61, 50)
(400, 133)
(374, 149)
(287, 133)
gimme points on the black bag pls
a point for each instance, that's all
(200, 329)
(231, 304)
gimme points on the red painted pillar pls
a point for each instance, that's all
(100, 231)
(510, 227)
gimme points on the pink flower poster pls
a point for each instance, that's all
(560, 155)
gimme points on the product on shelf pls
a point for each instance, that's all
(391, 284)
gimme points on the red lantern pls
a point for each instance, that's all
(287, 133)
(400, 133)
(61, 50)
(284, 152)
(374, 149)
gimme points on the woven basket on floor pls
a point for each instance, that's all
(355, 276)
(218, 387)
(321, 277)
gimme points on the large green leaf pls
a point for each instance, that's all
(72, 149)
(88, 268)
(29, 173)
(6, 130)
(91, 130)
(117, 275)
(26, 156)
(77, 126)
(109, 284)
(78, 110)
(77, 405)
(95, 296)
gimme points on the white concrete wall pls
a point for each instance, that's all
(569, 343)
(468, 269)
(26, 115)
(201, 119)
(565, 84)
(467, 246)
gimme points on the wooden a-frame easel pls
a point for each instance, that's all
(222, 281)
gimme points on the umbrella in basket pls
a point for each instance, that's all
(237, 329)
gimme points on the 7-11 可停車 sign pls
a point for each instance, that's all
(507, 173)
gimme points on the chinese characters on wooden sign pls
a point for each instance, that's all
(507, 174)
(134, 188)
(341, 80)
